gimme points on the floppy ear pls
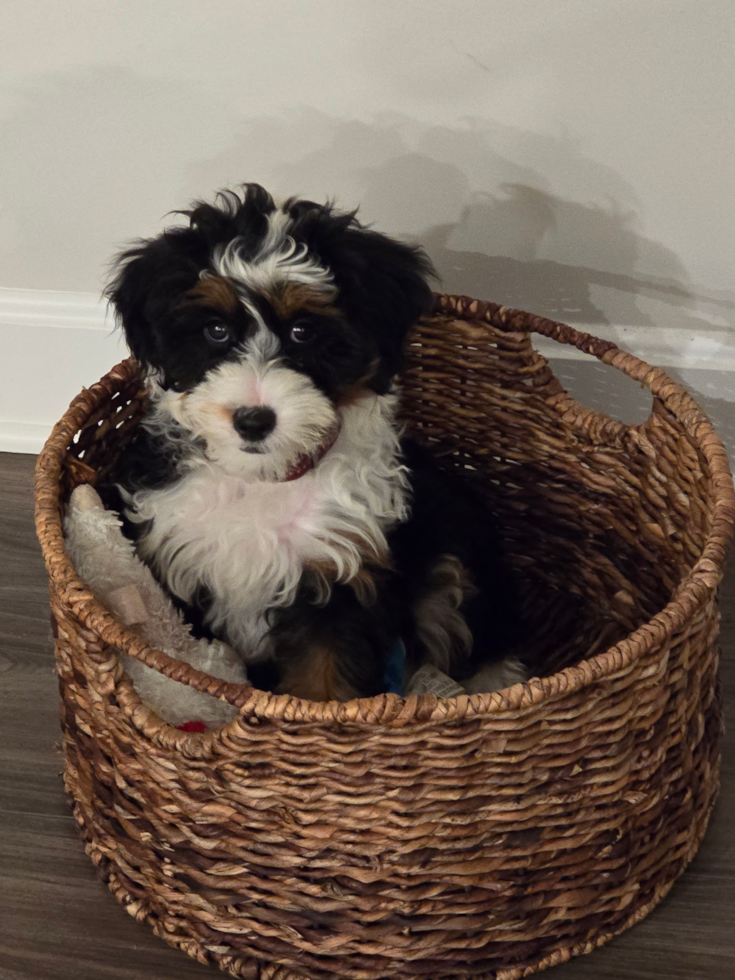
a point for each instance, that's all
(383, 286)
(149, 279)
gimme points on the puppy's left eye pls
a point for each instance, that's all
(302, 333)
(218, 333)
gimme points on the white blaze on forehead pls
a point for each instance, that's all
(279, 259)
(278, 224)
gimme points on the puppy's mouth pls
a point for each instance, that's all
(253, 450)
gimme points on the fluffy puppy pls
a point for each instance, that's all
(268, 488)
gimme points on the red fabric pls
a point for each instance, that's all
(192, 726)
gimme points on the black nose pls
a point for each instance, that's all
(254, 423)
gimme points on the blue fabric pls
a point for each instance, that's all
(395, 663)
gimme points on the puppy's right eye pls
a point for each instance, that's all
(217, 333)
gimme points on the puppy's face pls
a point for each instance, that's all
(260, 322)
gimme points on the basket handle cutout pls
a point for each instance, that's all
(668, 397)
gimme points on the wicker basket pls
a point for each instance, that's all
(485, 836)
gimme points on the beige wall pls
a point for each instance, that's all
(571, 157)
(596, 134)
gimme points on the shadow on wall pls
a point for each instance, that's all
(498, 231)
(89, 161)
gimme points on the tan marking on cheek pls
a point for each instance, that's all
(288, 299)
(218, 412)
(216, 292)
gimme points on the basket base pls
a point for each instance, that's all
(177, 933)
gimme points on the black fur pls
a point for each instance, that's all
(381, 292)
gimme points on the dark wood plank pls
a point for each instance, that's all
(30, 765)
(58, 922)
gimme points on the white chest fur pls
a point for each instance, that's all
(248, 543)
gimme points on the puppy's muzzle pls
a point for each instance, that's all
(254, 424)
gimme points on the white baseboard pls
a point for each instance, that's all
(54, 308)
(709, 349)
(55, 343)
(22, 437)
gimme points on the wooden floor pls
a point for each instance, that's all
(58, 922)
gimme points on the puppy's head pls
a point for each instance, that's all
(259, 322)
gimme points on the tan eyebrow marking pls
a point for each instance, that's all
(289, 298)
(217, 292)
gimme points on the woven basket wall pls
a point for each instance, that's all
(486, 836)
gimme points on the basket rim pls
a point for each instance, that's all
(394, 710)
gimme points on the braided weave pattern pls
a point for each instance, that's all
(484, 836)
